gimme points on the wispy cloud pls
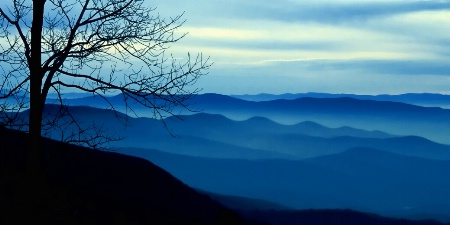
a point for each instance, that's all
(345, 11)
(330, 46)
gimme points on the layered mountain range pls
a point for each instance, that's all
(364, 153)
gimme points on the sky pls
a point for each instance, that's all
(333, 46)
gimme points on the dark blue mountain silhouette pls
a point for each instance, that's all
(262, 125)
(257, 138)
(365, 170)
(392, 117)
(421, 99)
(360, 178)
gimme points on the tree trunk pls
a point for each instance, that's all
(36, 175)
(36, 107)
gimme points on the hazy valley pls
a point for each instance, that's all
(371, 155)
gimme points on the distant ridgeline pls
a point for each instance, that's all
(371, 155)
(395, 114)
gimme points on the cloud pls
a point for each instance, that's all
(323, 11)
(382, 67)
(370, 46)
(333, 76)
(415, 33)
(345, 11)
(346, 46)
(255, 31)
(288, 42)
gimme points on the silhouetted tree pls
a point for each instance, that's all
(95, 46)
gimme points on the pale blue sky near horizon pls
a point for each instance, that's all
(333, 46)
(329, 46)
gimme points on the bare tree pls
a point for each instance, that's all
(97, 46)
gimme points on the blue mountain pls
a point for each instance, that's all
(393, 117)
(420, 99)
(361, 178)
(216, 136)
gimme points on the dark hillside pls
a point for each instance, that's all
(94, 187)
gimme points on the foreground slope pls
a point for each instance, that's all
(94, 187)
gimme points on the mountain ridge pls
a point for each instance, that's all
(253, 138)
(420, 99)
(355, 179)
(388, 116)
